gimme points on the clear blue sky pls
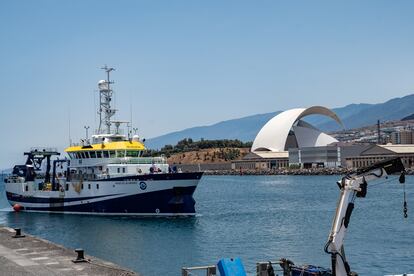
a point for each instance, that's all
(189, 63)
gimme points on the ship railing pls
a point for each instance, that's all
(43, 149)
(103, 131)
(139, 160)
(81, 144)
(14, 179)
(75, 144)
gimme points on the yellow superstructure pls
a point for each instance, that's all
(121, 145)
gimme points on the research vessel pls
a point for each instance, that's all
(105, 175)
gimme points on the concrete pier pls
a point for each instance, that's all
(30, 255)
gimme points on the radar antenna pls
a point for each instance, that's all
(105, 98)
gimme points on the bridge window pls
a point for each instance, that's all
(82, 155)
(120, 153)
(105, 154)
(99, 154)
(132, 153)
(112, 154)
(87, 154)
(93, 154)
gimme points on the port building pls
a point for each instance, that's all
(375, 153)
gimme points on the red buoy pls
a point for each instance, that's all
(17, 207)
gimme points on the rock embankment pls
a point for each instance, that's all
(313, 171)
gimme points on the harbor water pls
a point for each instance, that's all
(256, 218)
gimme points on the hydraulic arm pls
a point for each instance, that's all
(352, 186)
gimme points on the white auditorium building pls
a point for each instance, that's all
(287, 139)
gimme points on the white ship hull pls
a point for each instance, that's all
(146, 195)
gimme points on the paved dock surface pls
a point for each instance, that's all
(34, 256)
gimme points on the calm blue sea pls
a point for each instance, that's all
(256, 218)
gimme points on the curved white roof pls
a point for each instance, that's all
(275, 132)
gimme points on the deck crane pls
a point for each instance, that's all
(353, 186)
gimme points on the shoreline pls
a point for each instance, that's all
(313, 171)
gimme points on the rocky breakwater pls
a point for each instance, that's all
(288, 171)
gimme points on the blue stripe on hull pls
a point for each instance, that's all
(178, 200)
(27, 199)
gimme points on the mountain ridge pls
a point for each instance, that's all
(245, 128)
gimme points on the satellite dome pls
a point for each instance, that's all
(103, 85)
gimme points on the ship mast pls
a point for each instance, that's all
(105, 97)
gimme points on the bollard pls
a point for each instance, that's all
(80, 258)
(18, 233)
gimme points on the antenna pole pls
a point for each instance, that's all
(379, 132)
(86, 128)
(105, 98)
(70, 138)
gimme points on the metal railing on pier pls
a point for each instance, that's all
(262, 269)
(211, 270)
